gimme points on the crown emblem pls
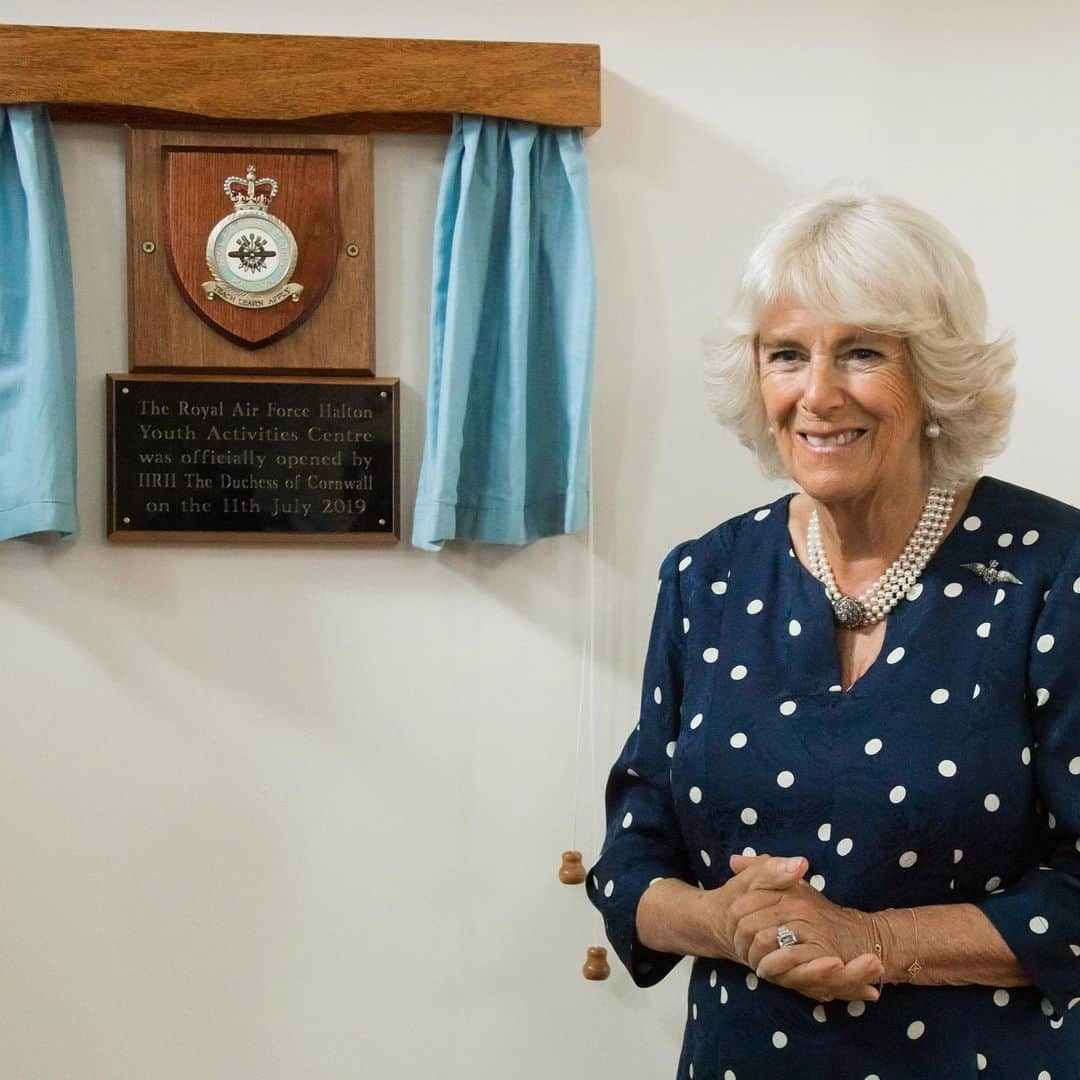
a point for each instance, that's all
(247, 193)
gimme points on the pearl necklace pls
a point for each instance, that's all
(888, 590)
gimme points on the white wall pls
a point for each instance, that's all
(276, 814)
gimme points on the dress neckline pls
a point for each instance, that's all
(896, 622)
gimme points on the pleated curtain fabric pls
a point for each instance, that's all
(512, 330)
(37, 333)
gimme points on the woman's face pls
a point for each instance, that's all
(843, 405)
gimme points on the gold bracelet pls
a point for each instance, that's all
(879, 953)
(914, 967)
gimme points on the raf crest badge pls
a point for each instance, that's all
(251, 253)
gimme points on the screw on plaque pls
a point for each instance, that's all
(149, 247)
(127, 521)
(352, 250)
(125, 389)
(382, 521)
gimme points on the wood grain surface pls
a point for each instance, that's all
(165, 78)
(165, 332)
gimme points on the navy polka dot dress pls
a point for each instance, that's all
(949, 773)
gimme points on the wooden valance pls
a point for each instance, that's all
(276, 82)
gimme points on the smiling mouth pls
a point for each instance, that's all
(834, 441)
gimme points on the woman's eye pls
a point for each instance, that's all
(864, 354)
(783, 356)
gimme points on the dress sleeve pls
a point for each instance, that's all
(643, 843)
(1039, 915)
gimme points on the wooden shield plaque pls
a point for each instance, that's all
(177, 205)
(252, 235)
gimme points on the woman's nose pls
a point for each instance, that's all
(823, 390)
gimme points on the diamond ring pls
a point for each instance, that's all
(785, 936)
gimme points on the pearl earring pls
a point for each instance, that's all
(933, 429)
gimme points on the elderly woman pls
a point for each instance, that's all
(853, 795)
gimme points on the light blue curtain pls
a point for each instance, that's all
(512, 327)
(37, 332)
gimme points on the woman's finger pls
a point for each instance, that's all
(808, 957)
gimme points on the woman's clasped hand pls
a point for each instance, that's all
(833, 958)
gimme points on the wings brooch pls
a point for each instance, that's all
(992, 573)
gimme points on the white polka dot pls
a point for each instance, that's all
(976, 692)
(693, 1010)
(754, 607)
(751, 981)
(710, 655)
(595, 883)
(895, 656)
(785, 778)
(609, 888)
(818, 882)
(954, 588)
(719, 587)
(1005, 539)
(915, 1029)
(779, 1040)
(657, 696)
(749, 851)
(1075, 951)
(947, 767)
(686, 626)
(1001, 997)
(915, 591)
(836, 688)
(628, 820)
(723, 1001)
(1051, 821)
(908, 859)
(1038, 924)
(685, 561)
(762, 514)
(695, 794)
(670, 748)
(992, 883)
(999, 596)
(1025, 755)
(844, 846)
(691, 1070)
(695, 723)
(1047, 1007)
(972, 523)
(1042, 696)
(1030, 537)
(738, 740)
(897, 794)
(992, 802)
(983, 629)
(824, 832)
(1044, 1074)
(940, 696)
(794, 628)
(1045, 643)
(872, 746)
(819, 1014)
(980, 1062)
(787, 708)
(957, 855)
(706, 858)
(856, 1008)
(712, 977)
(749, 816)
(738, 672)
(1074, 766)
(1076, 585)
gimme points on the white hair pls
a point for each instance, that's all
(877, 262)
